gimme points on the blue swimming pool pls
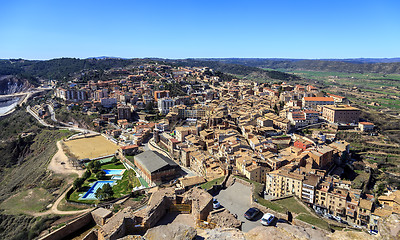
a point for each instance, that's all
(114, 171)
(90, 194)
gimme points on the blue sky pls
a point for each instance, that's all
(44, 29)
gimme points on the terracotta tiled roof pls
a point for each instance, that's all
(319, 99)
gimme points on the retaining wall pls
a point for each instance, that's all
(69, 228)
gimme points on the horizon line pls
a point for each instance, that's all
(195, 58)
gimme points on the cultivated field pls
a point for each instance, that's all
(91, 147)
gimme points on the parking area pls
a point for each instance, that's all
(237, 199)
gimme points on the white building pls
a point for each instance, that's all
(164, 104)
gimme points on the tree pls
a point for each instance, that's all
(101, 175)
(78, 183)
(105, 192)
(94, 166)
(90, 165)
(86, 175)
(276, 109)
(281, 104)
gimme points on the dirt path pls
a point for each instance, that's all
(54, 208)
(59, 163)
(66, 168)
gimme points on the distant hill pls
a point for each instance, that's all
(64, 68)
(243, 70)
(365, 60)
(105, 57)
(357, 65)
(61, 68)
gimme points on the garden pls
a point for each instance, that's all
(97, 185)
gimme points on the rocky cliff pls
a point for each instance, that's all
(11, 84)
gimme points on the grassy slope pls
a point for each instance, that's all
(209, 184)
(22, 227)
(31, 200)
(29, 172)
(32, 169)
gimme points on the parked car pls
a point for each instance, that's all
(267, 219)
(216, 204)
(337, 218)
(251, 213)
(373, 232)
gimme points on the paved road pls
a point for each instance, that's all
(28, 109)
(71, 128)
(237, 199)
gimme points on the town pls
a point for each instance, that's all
(192, 122)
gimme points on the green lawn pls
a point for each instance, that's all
(130, 158)
(292, 205)
(313, 221)
(125, 185)
(209, 184)
(117, 165)
(270, 205)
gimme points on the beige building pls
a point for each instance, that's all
(281, 183)
(341, 113)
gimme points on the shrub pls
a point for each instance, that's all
(101, 175)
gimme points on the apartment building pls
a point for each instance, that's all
(365, 208)
(321, 195)
(337, 201)
(124, 112)
(338, 99)
(74, 95)
(280, 183)
(279, 122)
(309, 187)
(164, 104)
(108, 102)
